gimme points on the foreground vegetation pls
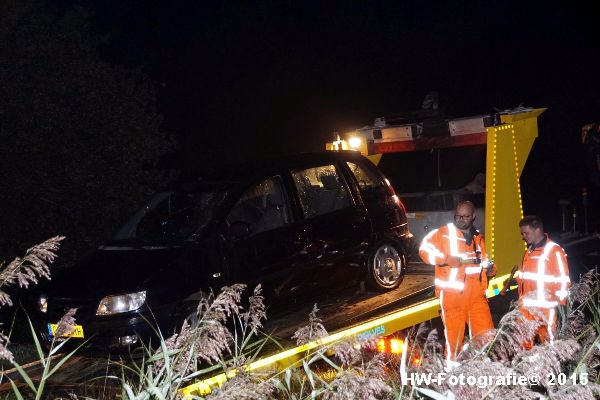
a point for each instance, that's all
(223, 336)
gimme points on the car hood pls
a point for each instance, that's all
(113, 269)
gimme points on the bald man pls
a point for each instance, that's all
(457, 251)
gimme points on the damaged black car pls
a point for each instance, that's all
(298, 225)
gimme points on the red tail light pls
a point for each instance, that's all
(395, 197)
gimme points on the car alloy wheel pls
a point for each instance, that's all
(386, 269)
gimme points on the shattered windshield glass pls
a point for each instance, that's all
(172, 217)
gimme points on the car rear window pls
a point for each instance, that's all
(366, 179)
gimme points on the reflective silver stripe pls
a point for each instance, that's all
(452, 240)
(542, 271)
(541, 279)
(457, 238)
(564, 278)
(550, 323)
(546, 278)
(432, 253)
(472, 270)
(431, 250)
(539, 303)
(449, 284)
(452, 283)
(453, 273)
(449, 354)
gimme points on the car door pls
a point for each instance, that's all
(265, 244)
(337, 225)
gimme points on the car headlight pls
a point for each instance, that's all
(43, 303)
(121, 303)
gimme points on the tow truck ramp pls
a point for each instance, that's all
(386, 323)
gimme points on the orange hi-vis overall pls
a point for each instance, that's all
(543, 284)
(461, 289)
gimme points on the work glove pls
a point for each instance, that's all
(491, 270)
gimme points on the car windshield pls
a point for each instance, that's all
(173, 217)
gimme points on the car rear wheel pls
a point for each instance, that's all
(386, 267)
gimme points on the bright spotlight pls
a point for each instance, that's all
(354, 142)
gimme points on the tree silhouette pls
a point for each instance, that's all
(80, 138)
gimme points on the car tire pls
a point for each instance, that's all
(386, 267)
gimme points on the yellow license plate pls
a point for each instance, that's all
(76, 333)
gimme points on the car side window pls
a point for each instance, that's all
(321, 190)
(262, 207)
(365, 178)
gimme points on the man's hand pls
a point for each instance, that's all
(510, 281)
(490, 271)
(453, 261)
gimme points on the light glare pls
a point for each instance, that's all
(396, 346)
(354, 142)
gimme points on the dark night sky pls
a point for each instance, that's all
(246, 78)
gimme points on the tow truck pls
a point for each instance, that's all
(508, 137)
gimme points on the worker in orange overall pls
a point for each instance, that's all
(457, 251)
(543, 278)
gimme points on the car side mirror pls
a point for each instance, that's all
(238, 229)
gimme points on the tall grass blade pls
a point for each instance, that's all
(16, 390)
(38, 346)
(25, 377)
(65, 359)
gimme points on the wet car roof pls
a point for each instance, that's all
(242, 172)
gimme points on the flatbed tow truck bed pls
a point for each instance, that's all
(351, 307)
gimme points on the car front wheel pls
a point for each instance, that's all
(386, 267)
